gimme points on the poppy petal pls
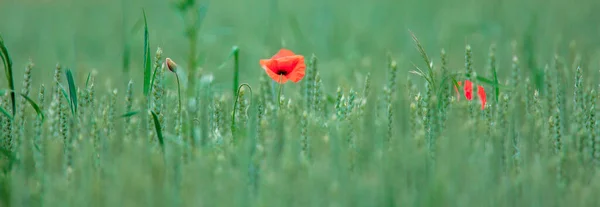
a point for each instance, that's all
(287, 64)
(283, 53)
(481, 94)
(468, 90)
(270, 65)
(281, 79)
(299, 70)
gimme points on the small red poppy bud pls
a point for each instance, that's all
(171, 65)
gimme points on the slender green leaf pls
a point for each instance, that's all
(236, 68)
(137, 26)
(129, 114)
(231, 54)
(147, 64)
(159, 134)
(485, 80)
(31, 102)
(34, 105)
(72, 91)
(496, 83)
(8, 70)
(64, 93)
(87, 80)
(6, 113)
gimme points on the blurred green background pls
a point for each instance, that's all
(350, 37)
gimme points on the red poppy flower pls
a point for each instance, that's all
(284, 66)
(481, 94)
(468, 89)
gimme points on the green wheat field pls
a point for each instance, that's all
(92, 116)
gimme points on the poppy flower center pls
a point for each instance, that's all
(281, 72)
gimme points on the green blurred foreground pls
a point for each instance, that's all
(360, 129)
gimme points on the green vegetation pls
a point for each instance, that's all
(376, 120)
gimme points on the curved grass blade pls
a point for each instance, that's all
(34, 105)
(64, 93)
(72, 91)
(159, 134)
(31, 102)
(237, 97)
(8, 72)
(147, 64)
(488, 81)
(3, 111)
(129, 114)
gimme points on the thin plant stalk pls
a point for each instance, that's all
(236, 68)
(237, 97)
(178, 93)
(279, 93)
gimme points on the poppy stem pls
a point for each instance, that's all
(279, 94)
(179, 94)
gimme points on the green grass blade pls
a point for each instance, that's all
(64, 93)
(159, 134)
(34, 105)
(231, 54)
(8, 72)
(72, 91)
(236, 68)
(129, 114)
(3, 111)
(87, 80)
(147, 64)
